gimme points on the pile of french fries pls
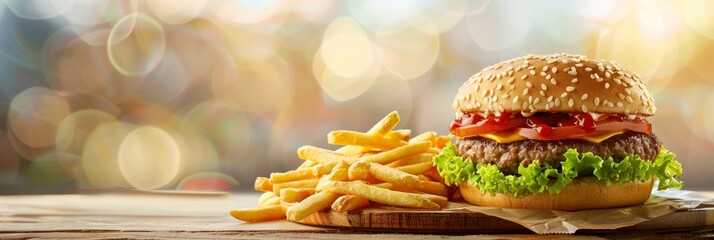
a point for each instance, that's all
(382, 166)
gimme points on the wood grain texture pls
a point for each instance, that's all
(470, 222)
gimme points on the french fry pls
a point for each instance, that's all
(306, 183)
(382, 127)
(358, 171)
(401, 134)
(423, 177)
(275, 200)
(292, 195)
(289, 176)
(435, 188)
(424, 137)
(396, 153)
(434, 175)
(442, 140)
(386, 124)
(417, 168)
(348, 203)
(434, 151)
(392, 175)
(413, 159)
(429, 187)
(322, 155)
(310, 205)
(307, 164)
(264, 197)
(323, 168)
(342, 137)
(262, 184)
(380, 195)
(338, 173)
(441, 200)
(260, 214)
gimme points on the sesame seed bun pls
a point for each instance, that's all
(555, 83)
(582, 194)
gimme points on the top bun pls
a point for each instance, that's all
(555, 83)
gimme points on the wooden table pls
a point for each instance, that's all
(151, 215)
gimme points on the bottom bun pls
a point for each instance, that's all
(581, 194)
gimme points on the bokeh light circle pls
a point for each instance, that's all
(408, 53)
(35, 115)
(101, 150)
(38, 9)
(64, 60)
(699, 16)
(346, 49)
(136, 44)
(258, 87)
(74, 130)
(149, 158)
(176, 12)
(514, 18)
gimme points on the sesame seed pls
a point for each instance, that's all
(531, 67)
(629, 99)
(483, 94)
(569, 88)
(542, 74)
(536, 101)
(524, 105)
(570, 102)
(574, 80)
(618, 81)
(557, 102)
(532, 72)
(525, 91)
(596, 76)
(504, 96)
(529, 84)
(564, 94)
(572, 72)
(554, 69)
(542, 93)
(524, 76)
(585, 96)
(619, 104)
(579, 65)
(607, 85)
(500, 108)
(588, 69)
(609, 104)
(585, 109)
(597, 101)
(599, 79)
(550, 98)
(512, 79)
(545, 68)
(515, 99)
(548, 77)
(530, 99)
(607, 74)
(476, 88)
(543, 86)
(499, 86)
(552, 81)
(599, 67)
(622, 96)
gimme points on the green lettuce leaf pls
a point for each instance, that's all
(536, 179)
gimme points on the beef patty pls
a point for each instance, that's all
(509, 155)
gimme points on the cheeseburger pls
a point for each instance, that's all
(560, 132)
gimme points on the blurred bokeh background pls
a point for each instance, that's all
(199, 94)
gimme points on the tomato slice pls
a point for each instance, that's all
(643, 126)
(486, 126)
(570, 132)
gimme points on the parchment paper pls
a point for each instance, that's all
(561, 222)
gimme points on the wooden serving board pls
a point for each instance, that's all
(473, 222)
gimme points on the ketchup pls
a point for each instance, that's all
(583, 120)
(543, 123)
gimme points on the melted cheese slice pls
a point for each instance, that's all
(512, 136)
